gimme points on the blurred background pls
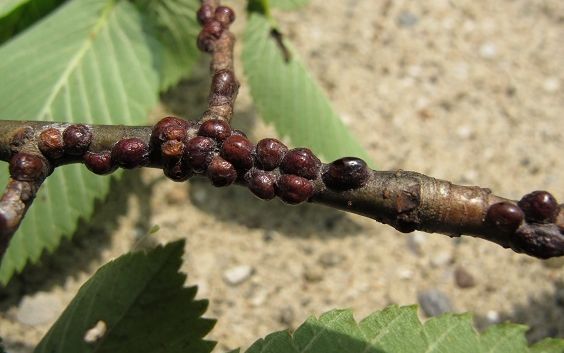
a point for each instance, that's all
(468, 91)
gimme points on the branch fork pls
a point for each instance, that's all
(210, 148)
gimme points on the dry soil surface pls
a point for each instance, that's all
(469, 91)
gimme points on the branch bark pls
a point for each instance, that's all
(216, 39)
(407, 201)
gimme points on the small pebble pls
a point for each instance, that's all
(488, 51)
(38, 309)
(200, 196)
(493, 317)
(405, 273)
(330, 259)
(441, 259)
(407, 19)
(415, 242)
(313, 274)
(286, 316)
(433, 302)
(238, 274)
(463, 278)
(269, 235)
(259, 298)
(551, 85)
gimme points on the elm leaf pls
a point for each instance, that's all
(136, 303)
(90, 62)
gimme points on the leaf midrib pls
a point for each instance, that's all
(77, 58)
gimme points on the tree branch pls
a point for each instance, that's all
(216, 39)
(407, 201)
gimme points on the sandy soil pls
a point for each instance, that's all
(469, 91)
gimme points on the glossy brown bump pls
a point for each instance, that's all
(239, 151)
(198, 152)
(169, 128)
(261, 183)
(346, 173)
(301, 162)
(177, 170)
(172, 149)
(269, 153)
(505, 216)
(224, 83)
(539, 207)
(205, 13)
(130, 153)
(216, 129)
(26, 167)
(293, 189)
(99, 162)
(77, 138)
(213, 28)
(51, 143)
(225, 15)
(221, 172)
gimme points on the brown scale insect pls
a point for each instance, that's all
(224, 15)
(346, 173)
(169, 128)
(26, 167)
(269, 153)
(99, 162)
(51, 143)
(130, 153)
(221, 172)
(539, 207)
(294, 189)
(216, 129)
(198, 152)
(261, 183)
(77, 139)
(239, 151)
(301, 162)
(505, 216)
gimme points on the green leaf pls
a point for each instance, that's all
(90, 62)
(288, 4)
(286, 95)
(398, 330)
(17, 15)
(549, 345)
(143, 307)
(8, 6)
(177, 30)
(259, 6)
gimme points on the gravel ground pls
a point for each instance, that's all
(469, 91)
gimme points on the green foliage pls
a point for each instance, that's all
(90, 62)
(17, 15)
(263, 6)
(141, 299)
(288, 4)
(286, 95)
(398, 330)
(177, 29)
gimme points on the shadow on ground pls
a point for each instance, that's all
(238, 205)
(76, 255)
(543, 315)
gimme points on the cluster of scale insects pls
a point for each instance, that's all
(269, 169)
(212, 148)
